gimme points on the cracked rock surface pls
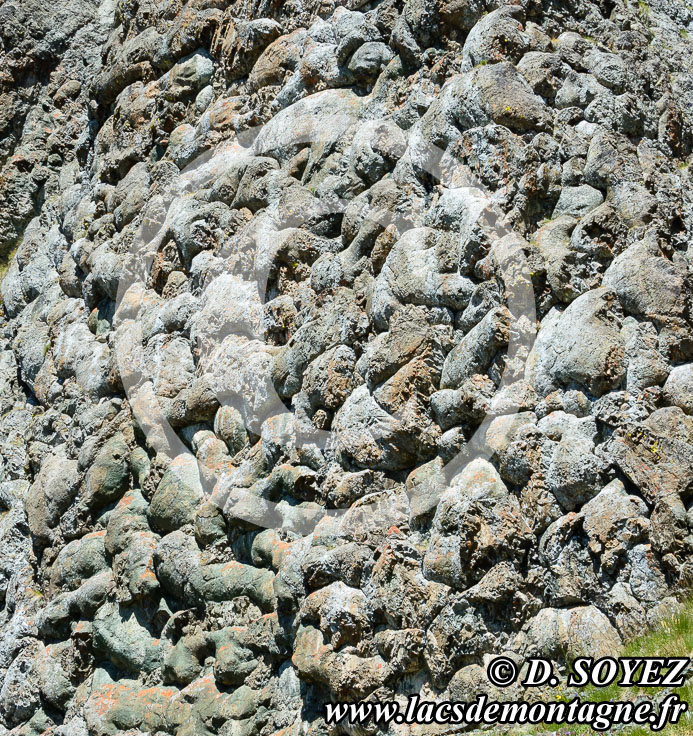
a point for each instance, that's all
(349, 483)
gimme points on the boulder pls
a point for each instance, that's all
(178, 495)
(591, 352)
(583, 631)
(108, 477)
(477, 523)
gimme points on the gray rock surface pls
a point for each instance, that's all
(344, 346)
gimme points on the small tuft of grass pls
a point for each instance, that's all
(672, 637)
(644, 10)
(6, 259)
(5, 266)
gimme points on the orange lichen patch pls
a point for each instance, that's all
(150, 693)
(219, 466)
(107, 697)
(288, 731)
(224, 113)
(126, 501)
(148, 574)
(200, 688)
(151, 91)
(282, 546)
(232, 566)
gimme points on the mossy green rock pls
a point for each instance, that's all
(108, 477)
(179, 494)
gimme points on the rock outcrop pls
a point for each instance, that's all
(343, 346)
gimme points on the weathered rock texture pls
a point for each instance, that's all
(131, 602)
